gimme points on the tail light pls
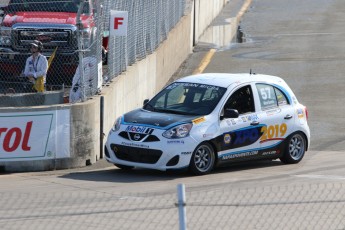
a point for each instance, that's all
(306, 112)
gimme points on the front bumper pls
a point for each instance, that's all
(160, 155)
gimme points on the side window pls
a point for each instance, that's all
(267, 96)
(270, 96)
(282, 100)
(242, 100)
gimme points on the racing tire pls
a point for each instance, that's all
(203, 159)
(294, 149)
(124, 167)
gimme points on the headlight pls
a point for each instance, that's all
(116, 125)
(5, 36)
(179, 131)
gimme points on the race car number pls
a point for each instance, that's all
(273, 131)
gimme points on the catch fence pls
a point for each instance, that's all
(76, 33)
(294, 206)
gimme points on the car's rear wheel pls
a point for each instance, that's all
(124, 167)
(203, 159)
(294, 149)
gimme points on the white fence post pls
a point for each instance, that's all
(181, 195)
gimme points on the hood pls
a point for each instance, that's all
(41, 17)
(144, 117)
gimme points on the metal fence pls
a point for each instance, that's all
(149, 24)
(76, 33)
(297, 206)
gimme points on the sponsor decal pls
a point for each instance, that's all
(300, 113)
(273, 132)
(15, 138)
(139, 129)
(241, 137)
(227, 138)
(273, 111)
(194, 85)
(198, 120)
(175, 142)
(35, 135)
(253, 117)
(186, 153)
(269, 102)
(205, 135)
(239, 155)
(271, 152)
(231, 122)
(246, 136)
(135, 145)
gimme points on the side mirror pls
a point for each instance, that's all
(231, 113)
(145, 101)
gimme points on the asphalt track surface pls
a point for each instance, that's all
(301, 41)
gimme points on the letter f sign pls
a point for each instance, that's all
(118, 23)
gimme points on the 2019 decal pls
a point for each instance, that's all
(273, 132)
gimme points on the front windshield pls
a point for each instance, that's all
(186, 98)
(70, 6)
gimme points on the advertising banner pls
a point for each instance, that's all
(35, 135)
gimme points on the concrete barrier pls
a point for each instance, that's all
(205, 12)
(74, 139)
(31, 99)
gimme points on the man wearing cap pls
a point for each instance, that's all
(36, 66)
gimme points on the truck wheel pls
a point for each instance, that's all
(203, 159)
(294, 149)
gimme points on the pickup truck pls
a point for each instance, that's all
(55, 24)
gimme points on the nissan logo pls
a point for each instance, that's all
(136, 137)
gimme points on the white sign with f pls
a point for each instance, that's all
(118, 23)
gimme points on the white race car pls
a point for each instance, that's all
(202, 121)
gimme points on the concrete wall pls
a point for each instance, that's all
(124, 93)
(205, 11)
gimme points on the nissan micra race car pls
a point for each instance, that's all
(202, 121)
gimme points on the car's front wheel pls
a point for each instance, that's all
(124, 167)
(295, 149)
(203, 159)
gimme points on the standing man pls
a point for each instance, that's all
(36, 66)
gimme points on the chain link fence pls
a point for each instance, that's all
(297, 206)
(149, 24)
(76, 33)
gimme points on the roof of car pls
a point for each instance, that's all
(226, 79)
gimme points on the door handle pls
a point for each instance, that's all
(287, 117)
(255, 123)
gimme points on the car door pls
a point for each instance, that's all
(240, 136)
(276, 117)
